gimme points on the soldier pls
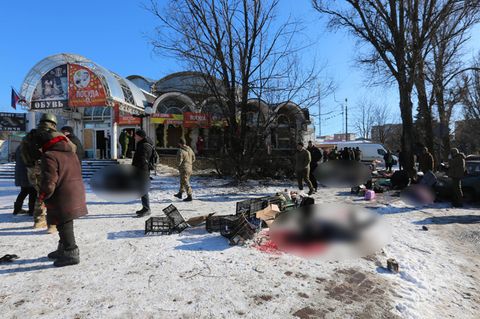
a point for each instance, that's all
(456, 171)
(185, 158)
(302, 167)
(124, 140)
(316, 156)
(31, 148)
(141, 158)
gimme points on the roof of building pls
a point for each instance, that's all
(118, 89)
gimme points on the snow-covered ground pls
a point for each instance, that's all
(124, 274)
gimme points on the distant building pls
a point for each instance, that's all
(388, 134)
(343, 137)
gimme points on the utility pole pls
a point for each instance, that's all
(346, 120)
(319, 113)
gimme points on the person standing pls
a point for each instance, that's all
(325, 155)
(388, 158)
(124, 141)
(141, 160)
(425, 161)
(185, 160)
(316, 156)
(401, 159)
(456, 171)
(68, 131)
(63, 192)
(302, 167)
(46, 132)
(26, 188)
(358, 154)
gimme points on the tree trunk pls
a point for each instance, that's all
(407, 128)
(425, 111)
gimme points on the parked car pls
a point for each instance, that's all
(470, 183)
(473, 158)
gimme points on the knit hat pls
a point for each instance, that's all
(68, 129)
(141, 133)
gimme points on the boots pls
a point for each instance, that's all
(40, 222)
(188, 199)
(52, 229)
(17, 209)
(179, 195)
(143, 212)
(57, 253)
(69, 257)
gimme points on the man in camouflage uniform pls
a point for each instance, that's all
(31, 153)
(185, 158)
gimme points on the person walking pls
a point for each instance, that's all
(316, 156)
(63, 192)
(401, 159)
(68, 132)
(456, 171)
(388, 158)
(302, 167)
(141, 159)
(185, 160)
(26, 188)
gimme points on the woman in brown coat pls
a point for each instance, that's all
(63, 192)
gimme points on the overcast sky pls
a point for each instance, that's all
(115, 35)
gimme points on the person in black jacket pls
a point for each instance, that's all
(141, 159)
(316, 155)
(21, 179)
(68, 131)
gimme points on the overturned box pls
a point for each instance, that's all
(223, 223)
(173, 222)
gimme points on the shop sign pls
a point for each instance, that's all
(85, 87)
(12, 122)
(52, 90)
(160, 118)
(200, 120)
(124, 118)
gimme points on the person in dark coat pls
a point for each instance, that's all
(425, 161)
(26, 188)
(68, 131)
(63, 192)
(358, 154)
(325, 155)
(141, 159)
(316, 156)
(388, 158)
(401, 159)
(456, 171)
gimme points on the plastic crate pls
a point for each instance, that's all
(176, 218)
(159, 225)
(249, 207)
(241, 231)
(220, 223)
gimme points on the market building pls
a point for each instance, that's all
(100, 105)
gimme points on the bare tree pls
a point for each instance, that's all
(365, 118)
(399, 34)
(242, 55)
(446, 64)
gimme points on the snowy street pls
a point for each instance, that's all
(195, 274)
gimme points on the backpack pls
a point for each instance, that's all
(154, 158)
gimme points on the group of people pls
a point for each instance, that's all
(347, 154)
(48, 171)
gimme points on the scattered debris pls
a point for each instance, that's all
(424, 227)
(392, 265)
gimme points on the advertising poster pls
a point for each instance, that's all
(85, 88)
(12, 122)
(52, 90)
(159, 118)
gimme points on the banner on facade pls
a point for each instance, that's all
(85, 88)
(124, 118)
(12, 122)
(200, 120)
(52, 90)
(160, 118)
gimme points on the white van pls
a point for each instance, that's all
(370, 151)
